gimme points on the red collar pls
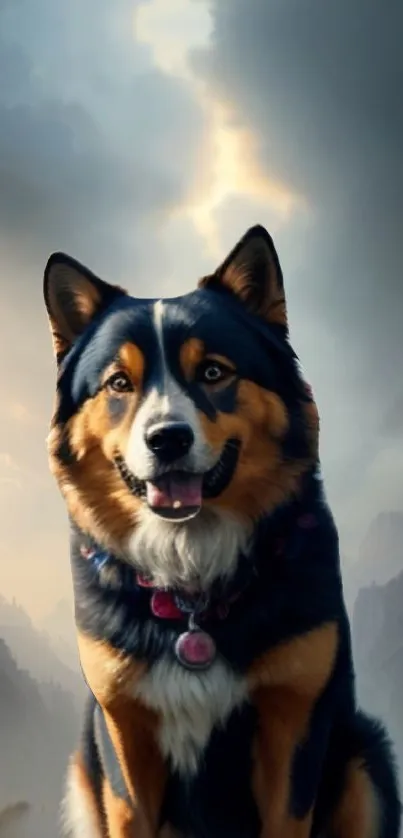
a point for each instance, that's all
(169, 604)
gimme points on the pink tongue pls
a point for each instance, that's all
(174, 491)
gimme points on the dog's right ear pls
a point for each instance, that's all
(73, 297)
(252, 273)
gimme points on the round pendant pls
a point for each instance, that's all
(195, 649)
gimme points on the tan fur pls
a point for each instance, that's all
(286, 683)
(262, 480)
(80, 300)
(133, 728)
(95, 494)
(191, 354)
(133, 361)
(358, 814)
(133, 732)
(109, 672)
(303, 664)
(120, 817)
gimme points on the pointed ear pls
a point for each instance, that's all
(252, 273)
(73, 297)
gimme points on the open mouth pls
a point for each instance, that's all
(178, 495)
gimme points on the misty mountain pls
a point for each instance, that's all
(14, 818)
(375, 583)
(381, 552)
(48, 661)
(378, 650)
(39, 727)
(59, 628)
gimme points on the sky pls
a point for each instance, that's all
(144, 138)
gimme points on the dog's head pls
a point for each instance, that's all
(178, 422)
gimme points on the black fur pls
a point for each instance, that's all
(218, 801)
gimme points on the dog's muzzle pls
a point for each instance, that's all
(177, 495)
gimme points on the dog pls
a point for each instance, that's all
(211, 623)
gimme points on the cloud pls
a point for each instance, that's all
(97, 143)
(172, 30)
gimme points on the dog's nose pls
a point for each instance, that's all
(169, 440)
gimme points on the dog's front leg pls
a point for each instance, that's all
(292, 727)
(283, 718)
(112, 677)
(132, 729)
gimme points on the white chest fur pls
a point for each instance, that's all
(191, 704)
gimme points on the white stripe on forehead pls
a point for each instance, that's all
(169, 385)
(158, 314)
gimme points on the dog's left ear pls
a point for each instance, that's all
(73, 297)
(252, 273)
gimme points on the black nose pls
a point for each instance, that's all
(169, 440)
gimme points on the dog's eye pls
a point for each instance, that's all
(212, 372)
(119, 382)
